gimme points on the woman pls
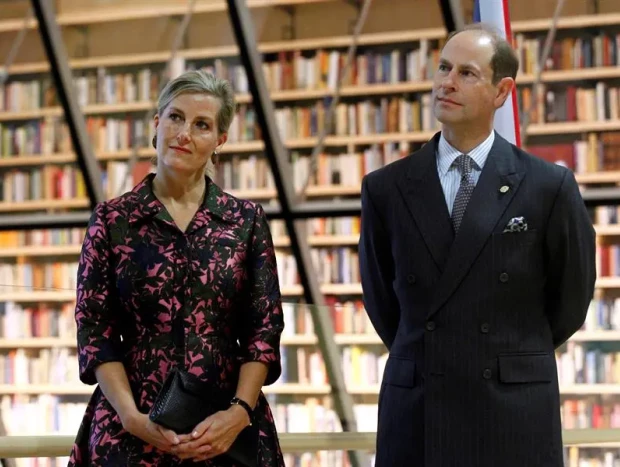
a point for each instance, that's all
(177, 263)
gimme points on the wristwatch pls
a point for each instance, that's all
(245, 405)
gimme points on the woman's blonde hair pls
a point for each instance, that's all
(199, 81)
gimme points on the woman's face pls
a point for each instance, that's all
(187, 133)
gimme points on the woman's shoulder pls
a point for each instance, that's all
(220, 199)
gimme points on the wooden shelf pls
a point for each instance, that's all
(287, 340)
(107, 15)
(36, 159)
(554, 76)
(587, 389)
(340, 339)
(61, 250)
(341, 289)
(87, 110)
(572, 127)
(608, 283)
(607, 230)
(567, 22)
(312, 191)
(595, 336)
(37, 342)
(282, 389)
(327, 289)
(321, 240)
(313, 94)
(54, 389)
(40, 205)
(315, 389)
(598, 177)
(32, 251)
(66, 296)
(24, 296)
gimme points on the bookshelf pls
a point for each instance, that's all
(383, 116)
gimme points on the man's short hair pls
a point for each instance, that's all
(504, 62)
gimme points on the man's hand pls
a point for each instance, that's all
(214, 435)
(163, 439)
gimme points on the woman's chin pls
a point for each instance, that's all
(179, 165)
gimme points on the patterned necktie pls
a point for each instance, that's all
(464, 164)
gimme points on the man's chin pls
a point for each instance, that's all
(447, 118)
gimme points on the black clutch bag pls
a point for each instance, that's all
(184, 401)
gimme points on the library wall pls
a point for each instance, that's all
(384, 114)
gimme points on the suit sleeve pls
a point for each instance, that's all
(98, 336)
(260, 336)
(571, 259)
(377, 270)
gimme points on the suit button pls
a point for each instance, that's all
(486, 374)
(503, 277)
(430, 326)
(484, 328)
(411, 279)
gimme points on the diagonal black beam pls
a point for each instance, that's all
(452, 14)
(243, 27)
(63, 80)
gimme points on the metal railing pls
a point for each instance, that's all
(12, 447)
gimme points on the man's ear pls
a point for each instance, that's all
(504, 88)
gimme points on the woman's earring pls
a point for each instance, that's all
(214, 157)
(154, 141)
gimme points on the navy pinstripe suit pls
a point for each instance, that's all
(471, 322)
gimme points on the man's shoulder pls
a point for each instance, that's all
(544, 170)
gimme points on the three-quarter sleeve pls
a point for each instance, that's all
(98, 337)
(261, 339)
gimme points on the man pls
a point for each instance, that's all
(477, 261)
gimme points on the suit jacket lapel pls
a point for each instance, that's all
(423, 194)
(484, 210)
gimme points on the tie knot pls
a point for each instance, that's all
(464, 163)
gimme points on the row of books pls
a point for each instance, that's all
(321, 226)
(39, 320)
(48, 135)
(581, 364)
(43, 183)
(594, 49)
(29, 276)
(571, 103)
(605, 214)
(597, 457)
(361, 367)
(603, 315)
(347, 317)
(41, 237)
(318, 69)
(590, 412)
(55, 366)
(338, 266)
(608, 260)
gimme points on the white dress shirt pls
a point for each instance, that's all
(449, 175)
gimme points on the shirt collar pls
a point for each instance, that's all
(146, 204)
(447, 154)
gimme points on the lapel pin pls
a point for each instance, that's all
(504, 189)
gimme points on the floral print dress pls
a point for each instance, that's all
(152, 297)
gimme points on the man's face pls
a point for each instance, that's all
(463, 89)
